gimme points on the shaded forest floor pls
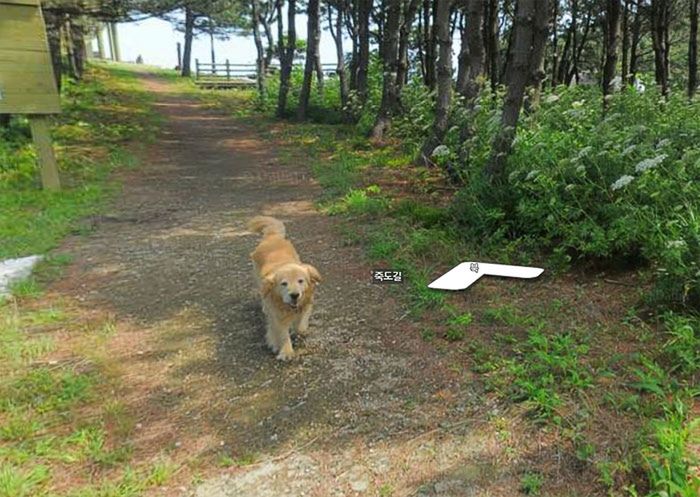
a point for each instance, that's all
(142, 367)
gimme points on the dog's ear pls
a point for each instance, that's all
(267, 285)
(314, 275)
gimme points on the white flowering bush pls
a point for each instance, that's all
(619, 186)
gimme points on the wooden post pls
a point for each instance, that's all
(100, 41)
(228, 70)
(179, 55)
(110, 41)
(41, 133)
(196, 68)
(115, 42)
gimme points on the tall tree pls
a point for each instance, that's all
(634, 41)
(624, 66)
(469, 85)
(660, 17)
(260, 65)
(390, 61)
(336, 30)
(186, 70)
(410, 10)
(612, 40)
(361, 66)
(693, 50)
(286, 57)
(444, 78)
(530, 24)
(491, 32)
(312, 55)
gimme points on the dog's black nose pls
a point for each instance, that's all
(294, 296)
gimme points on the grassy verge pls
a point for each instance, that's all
(63, 429)
(100, 115)
(610, 387)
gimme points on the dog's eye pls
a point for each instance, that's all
(301, 281)
(284, 283)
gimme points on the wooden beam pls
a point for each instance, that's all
(41, 132)
(115, 42)
(100, 42)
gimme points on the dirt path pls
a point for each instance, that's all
(367, 408)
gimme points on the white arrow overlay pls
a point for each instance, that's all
(463, 275)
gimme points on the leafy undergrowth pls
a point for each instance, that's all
(608, 385)
(101, 114)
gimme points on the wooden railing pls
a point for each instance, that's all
(226, 74)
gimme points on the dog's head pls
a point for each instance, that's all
(291, 283)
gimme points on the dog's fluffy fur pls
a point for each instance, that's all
(286, 285)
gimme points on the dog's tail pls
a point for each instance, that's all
(267, 226)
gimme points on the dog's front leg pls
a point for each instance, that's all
(286, 352)
(277, 337)
(302, 323)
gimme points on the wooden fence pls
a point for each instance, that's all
(228, 75)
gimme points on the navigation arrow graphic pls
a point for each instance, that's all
(463, 275)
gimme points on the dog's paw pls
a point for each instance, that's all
(285, 355)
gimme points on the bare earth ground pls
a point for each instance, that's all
(368, 407)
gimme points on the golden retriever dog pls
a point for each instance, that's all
(286, 285)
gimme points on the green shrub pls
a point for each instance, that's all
(618, 186)
(670, 463)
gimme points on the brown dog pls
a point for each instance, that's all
(286, 285)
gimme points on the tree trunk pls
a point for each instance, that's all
(189, 35)
(429, 43)
(578, 50)
(554, 69)
(693, 50)
(68, 43)
(362, 69)
(634, 44)
(564, 60)
(280, 31)
(261, 68)
(53, 35)
(390, 61)
(475, 47)
(441, 27)
(318, 67)
(491, 34)
(612, 40)
(624, 69)
(463, 55)
(337, 34)
(269, 37)
(539, 43)
(660, 18)
(524, 60)
(79, 52)
(404, 39)
(312, 40)
(287, 59)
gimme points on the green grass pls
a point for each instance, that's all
(100, 116)
(60, 415)
(531, 483)
(63, 415)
